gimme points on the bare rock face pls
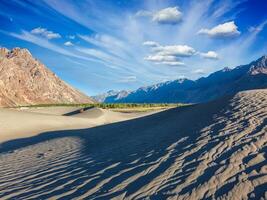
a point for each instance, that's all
(24, 81)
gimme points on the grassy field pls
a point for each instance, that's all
(117, 107)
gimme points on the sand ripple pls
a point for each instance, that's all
(209, 151)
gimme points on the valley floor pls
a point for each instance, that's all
(215, 150)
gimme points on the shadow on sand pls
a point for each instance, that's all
(129, 154)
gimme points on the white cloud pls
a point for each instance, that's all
(68, 43)
(151, 44)
(45, 33)
(168, 55)
(175, 50)
(160, 58)
(171, 15)
(210, 55)
(164, 59)
(228, 29)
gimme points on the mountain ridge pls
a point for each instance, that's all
(217, 84)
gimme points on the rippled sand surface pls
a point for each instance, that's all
(215, 150)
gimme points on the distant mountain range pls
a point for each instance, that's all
(220, 83)
(25, 81)
(111, 93)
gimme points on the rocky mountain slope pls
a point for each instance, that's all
(24, 80)
(223, 82)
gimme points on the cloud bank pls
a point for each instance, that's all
(172, 54)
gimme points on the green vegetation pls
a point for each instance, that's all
(112, 105)
(134, 105)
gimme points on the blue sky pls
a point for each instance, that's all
(98, 45)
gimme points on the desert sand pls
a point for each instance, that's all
(25, 122)
(215, 150)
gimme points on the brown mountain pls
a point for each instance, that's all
(24, 81)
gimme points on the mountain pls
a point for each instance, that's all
(24, 81)
(111, 93)
(224, 82)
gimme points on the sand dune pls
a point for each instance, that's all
(25, 122)
(60, 110)
(215, 150)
